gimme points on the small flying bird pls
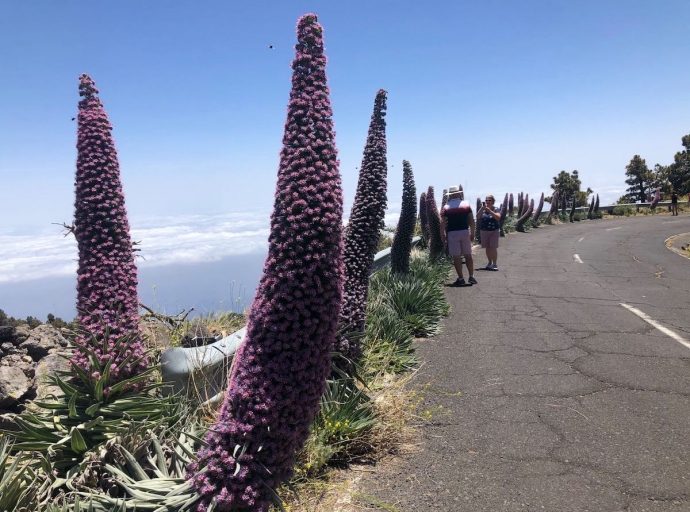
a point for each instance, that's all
(73, 118)
(270, 47)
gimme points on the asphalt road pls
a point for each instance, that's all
(554, 395)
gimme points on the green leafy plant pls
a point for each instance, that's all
(85, 414)
(416, 298)
(388, 342)
(23, 480)
(623, 210)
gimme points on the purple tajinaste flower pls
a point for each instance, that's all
(596, 205)
(504, 211)
(477, 232)
(107, 302)
(423, 219)
(510, 205)
(363, 230)
(434, 218)
(444, 199)
(400, 250)
(521, 205)
(553, 210)
(525, 203)
(520, 225)
(279, 372)
(537, 213)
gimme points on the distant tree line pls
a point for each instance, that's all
(567, 185)
(33, 322)
(642, 181)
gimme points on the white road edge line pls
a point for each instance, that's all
(668, 332)
(581, 239)
(576, 257)
(611, 229)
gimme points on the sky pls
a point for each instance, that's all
(497, 95)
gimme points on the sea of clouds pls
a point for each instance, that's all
(169, 240)
(164, 240)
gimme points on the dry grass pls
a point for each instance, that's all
(335, 489)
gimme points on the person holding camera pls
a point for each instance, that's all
(489, 230)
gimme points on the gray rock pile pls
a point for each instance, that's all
(27, 356)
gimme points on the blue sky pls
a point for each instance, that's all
(498, 95)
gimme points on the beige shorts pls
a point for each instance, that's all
(490, 238)
(459, 243)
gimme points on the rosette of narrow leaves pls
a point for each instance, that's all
(362, 235)
(510, 205)
(416, 298)
(434, 219)
(24, 479)
(107, 273)
(520, 225)
(402, 240)
(280, 370)
(423, 219)
(540, 207)
(572, 209)
(388, 342)
(147, 472)
(591, 209)
(72, 425)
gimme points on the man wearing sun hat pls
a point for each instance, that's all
(457, 229)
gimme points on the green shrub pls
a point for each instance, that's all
(509, 225)
(623, 210)
(388, 342)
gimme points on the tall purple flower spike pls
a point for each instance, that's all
(107, 274)
(520, 224)
(521, 205)
(423, 219)
(525, 204)
(479, 204)
(444, 198)
(280, 370)
(537, 213)
(400, 250)
(591, 208)
(434, 218)
(363, 230)
(510, 204)
(553, 210)
(596, 205)
(504, 211)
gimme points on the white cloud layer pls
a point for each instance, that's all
(164, 241)
(185, 239)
